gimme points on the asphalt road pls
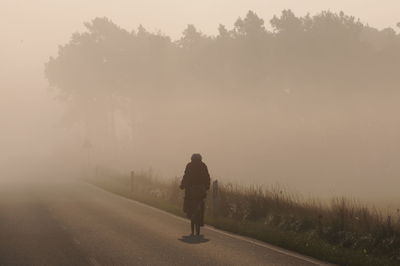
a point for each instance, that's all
(74, 223)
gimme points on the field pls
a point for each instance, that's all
(341, 231)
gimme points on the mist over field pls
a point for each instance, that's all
(309, 102)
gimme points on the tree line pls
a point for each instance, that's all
(328, 49)
(105, 67)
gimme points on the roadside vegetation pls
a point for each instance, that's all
(343, 231)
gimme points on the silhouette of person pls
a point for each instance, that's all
(195, 182)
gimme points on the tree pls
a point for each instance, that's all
(250, 26)
(252, 51)
(86, 72)
(194, 57)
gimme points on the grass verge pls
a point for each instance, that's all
(308, 240)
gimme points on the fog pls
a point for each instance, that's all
(339, 138)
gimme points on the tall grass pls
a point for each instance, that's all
(343, 226)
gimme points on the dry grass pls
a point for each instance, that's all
(355, 233)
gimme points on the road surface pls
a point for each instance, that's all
(74, 223)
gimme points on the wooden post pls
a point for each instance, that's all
(319, 226)
(215, 198)
(132, 181)
(389, 223)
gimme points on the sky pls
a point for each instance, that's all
(31, 32)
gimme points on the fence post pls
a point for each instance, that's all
(319, 225)
(215, 198)
(132, 181)
(389, 223)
